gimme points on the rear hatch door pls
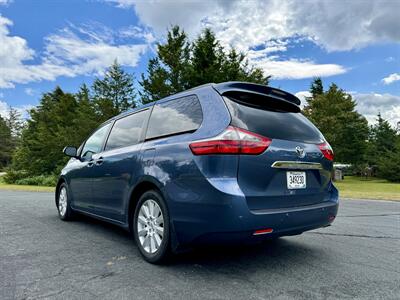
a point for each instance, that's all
(293, 171)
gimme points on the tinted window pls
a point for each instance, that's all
(127, 131)
(276, 124)
(95, 142)
(176, 116)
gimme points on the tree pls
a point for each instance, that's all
(5, 143)
(389, 163)
(316, 87)
(113, 93)
(210, 62)
(180, 65)
(86, 119)
(383, 147)
(333, 112)
(167, 73)
(50, 127)
(15, 122)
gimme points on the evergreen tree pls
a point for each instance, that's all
(389, 163)
(113, 93)
(15, 122)
(208, 59)
(168, 72)
(86, 119)
(333, 112)
(5, 143)
(180, 65)
(49, 129)
(316, 87)
(382, 143)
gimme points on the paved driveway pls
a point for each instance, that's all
(43, 257)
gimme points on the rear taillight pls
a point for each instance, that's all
(232, 140)
(326, 150)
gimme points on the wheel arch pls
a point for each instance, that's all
(146, 184)
(60, 181)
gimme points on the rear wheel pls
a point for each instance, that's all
(63, 203)
(151, 227)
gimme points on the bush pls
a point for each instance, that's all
(13, 175)
(389, 166)
(43, 180)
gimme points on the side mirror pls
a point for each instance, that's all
(70, 151)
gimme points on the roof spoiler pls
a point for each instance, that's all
(236, 89)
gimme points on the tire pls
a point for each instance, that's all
(151, 227)
(63, 203)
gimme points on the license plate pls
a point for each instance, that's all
(296, 180)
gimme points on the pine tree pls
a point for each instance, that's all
(333, 112)
(86, 119)
(382, 139)
(208, 59)
(316, 87)
(114, 93)
(5, 143)
(168, 72)
(180, 65)
(15, 122)
(49, 129)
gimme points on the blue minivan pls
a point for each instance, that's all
(219, 163)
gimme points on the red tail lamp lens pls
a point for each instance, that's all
(232, 140)
(326, 150)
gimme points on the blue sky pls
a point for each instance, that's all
(355, 44)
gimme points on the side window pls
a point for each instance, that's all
(95, 142)
(175, 116)
(127, 131)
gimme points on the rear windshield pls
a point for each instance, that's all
(273, 123)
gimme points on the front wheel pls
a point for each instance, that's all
(63, 203)
(151, 227)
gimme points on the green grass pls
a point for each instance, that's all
(27, 188)
(350, 187)
(361, 188)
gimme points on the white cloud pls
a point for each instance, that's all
(335, 25)
(295, 69)
(30, 91)
(370, 104)
(5, 109)
(270, 27)
(303, 95)
(5, 2)
(391, 78)
(69, 52)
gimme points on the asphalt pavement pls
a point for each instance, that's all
(42, 257)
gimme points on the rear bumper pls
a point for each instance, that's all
(234, 222)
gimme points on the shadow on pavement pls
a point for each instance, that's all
(269, 253)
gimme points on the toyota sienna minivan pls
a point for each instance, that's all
(220, 163)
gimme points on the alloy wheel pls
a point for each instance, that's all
(150, 226)
(62, 201)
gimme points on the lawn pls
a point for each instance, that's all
(350, 187)
(361, 188)
(28, 188)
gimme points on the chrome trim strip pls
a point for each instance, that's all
(271, 211)
(296, 165)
